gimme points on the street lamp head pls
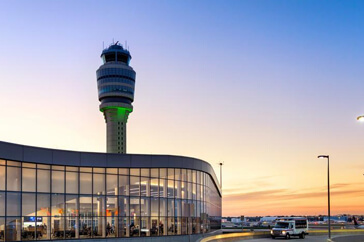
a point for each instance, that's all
(322, 156)
(360, 118)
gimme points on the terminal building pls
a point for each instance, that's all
(49, 194)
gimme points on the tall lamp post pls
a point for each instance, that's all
(328, 189)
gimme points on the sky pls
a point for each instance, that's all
(263, 86)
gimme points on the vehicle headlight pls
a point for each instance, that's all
(271, 231)
(284, 232)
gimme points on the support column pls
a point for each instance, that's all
(116, 119)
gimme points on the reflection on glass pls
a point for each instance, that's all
(85, 183)
(13, 203)
(28, 180)
(58, 181)
(72, 182)
(13, 178)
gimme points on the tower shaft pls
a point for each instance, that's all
(116, 119)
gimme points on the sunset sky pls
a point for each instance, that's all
(265, 86)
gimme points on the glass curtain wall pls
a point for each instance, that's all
(51, 202)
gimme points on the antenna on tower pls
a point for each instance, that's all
(112, 40)
(103, 45)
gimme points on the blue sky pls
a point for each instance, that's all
(263, 85)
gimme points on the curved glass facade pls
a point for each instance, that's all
(53, 202)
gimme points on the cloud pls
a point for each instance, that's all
(344, 197)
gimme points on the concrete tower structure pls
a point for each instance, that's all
(116, 84)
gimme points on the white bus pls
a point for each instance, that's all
(290, 226)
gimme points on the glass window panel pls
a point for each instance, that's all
(144, 186)
(170, 188)
(135, 172)
(28, 180)
(43, 204)
(162, 224)
(189, 189)
(134, 227)
(154, 207)
(43, 180)
(171, 173)
(28, 204)
(112, 184)
(99, 184)
(99, 207)
(198, 176)
(2, 227)
(57, 205)
(112, 171)
(40, 166)
(13, 229)
(124, 227)
(194, 197)
(123, 171)
(144, 227)
(13, 203)
(144, 207)
(85, 169)
(111, 227)
(13, 178)
(86, 208)
(170, 208)
(193, 176)
(2, 177)
(178, 223)
(154, 172)
(29, 165)
(85, 226)
(111, 206)
(2, 203)
(44, 228)
(163, 207)
(58, 181)
(71, 168)
(144, 172)
(71, 182)
(13, 163)
(184, 174)
(184, 190)
(124, 185)
(177, 173)
(99, 227)
(123, 206)
(99, 170)
(154, 191)
(184, 226)
(71, 227)
(59, 168)
(177, 208)
(28, 228)
(2, 162)
(85, 183)
(162, 188)
(58, 225)
(163, 173)
(189, 175)
(72, 205)
(177, 189)
(134, 206)
(134, 186)
(171, 226)
(154, 229)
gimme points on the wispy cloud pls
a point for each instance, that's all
(287, 201)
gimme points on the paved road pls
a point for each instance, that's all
(321, 238)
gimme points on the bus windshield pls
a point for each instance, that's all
(281, 225)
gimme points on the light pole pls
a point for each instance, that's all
(328, 189)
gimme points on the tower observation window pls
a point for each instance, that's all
(110, 57)
(122, 58)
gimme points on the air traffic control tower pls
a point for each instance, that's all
(116, 84)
